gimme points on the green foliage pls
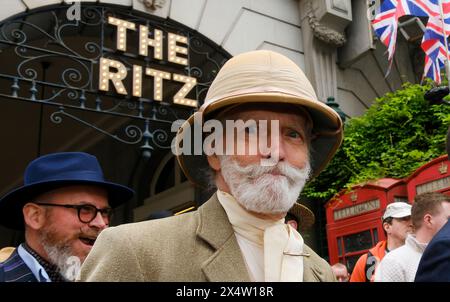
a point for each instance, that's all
(400, 132)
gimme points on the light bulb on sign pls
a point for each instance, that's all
(158, 77)
(174, 50)
(145, 42)
(115, 77)
(122, 27)
(180, 97)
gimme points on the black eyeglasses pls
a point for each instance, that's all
(86, 212)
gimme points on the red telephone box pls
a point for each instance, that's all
(431, 177)
(354, 218)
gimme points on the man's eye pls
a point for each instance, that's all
(87, 208)
(294, 134)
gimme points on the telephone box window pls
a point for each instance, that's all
(357, 242)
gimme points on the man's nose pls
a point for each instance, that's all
(99, 222)
(276, 147)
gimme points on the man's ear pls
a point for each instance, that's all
(214, 162)
(33, 215)
(293, 224)
(386, 227)
(427, 219)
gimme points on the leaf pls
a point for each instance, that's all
(400, 132)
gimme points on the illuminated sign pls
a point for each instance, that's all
(357, 209)
(176, 48)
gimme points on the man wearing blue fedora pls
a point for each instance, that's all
(64, 204)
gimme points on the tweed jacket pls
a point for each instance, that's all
(196, 246)
(14, 269)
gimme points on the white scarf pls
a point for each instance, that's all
(282, 244)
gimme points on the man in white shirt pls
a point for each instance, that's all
(429, 213)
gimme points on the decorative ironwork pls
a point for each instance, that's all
(54, 61)
(131, 131)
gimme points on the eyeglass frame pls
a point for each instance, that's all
(108, 211)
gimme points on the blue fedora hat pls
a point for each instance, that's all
(53, 171)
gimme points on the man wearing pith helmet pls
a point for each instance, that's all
(239, 234)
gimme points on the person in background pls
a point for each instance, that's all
(430, 211)
(64, 204)
(396, 225)
(300, 217)
(341, 272)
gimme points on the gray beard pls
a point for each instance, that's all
(61, 256)
(260, 192)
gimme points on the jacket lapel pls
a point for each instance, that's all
(227, 262)
(15, 270)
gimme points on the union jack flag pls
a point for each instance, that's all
(385, 25)
(433, 63)
(433, 43)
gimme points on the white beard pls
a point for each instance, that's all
(61, 256)
(259, 191)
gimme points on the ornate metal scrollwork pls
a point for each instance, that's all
(133, 132)
(56, 61)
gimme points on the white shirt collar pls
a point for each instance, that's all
(411, 240)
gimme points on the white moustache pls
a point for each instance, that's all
(254, 171)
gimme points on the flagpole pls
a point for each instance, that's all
(447, 62)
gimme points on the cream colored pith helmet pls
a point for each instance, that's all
(263, 76)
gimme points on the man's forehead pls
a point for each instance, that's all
(74, 191)
(263, 111)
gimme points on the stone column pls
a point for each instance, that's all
(323, 23)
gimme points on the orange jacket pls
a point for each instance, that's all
(364, 270)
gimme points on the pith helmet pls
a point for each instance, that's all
(263, 76)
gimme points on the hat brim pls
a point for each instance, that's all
(11, 204)
(402, 214)
(305, 217)
(327, 131)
